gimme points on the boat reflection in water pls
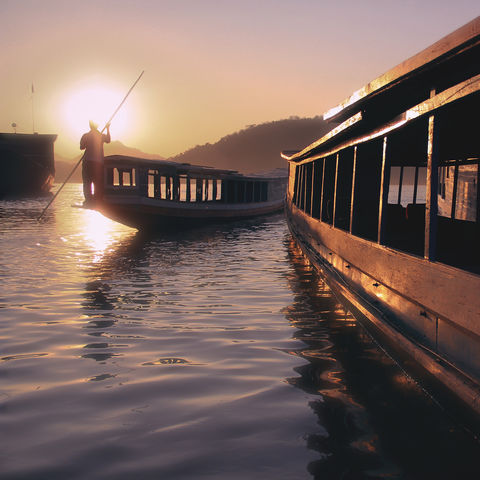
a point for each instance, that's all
(377, 422)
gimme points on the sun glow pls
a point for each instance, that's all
(97, 103)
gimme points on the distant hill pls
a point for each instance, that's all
(257, 147)
(63, 166)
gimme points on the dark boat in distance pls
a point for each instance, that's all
(154, 194)
(27, 164)
(408, 266)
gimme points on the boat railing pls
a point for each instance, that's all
(171, 185)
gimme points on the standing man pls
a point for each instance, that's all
(92, 167)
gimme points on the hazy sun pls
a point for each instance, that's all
(97, 103)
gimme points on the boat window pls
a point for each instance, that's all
(457, 192)
(343, 197)
(128, 177)
(193, 189)
(368, 171)
(393, 189)
(308, 188)
(183, 189)
(296, 185)
(219, 190)
(317, 187)
(466, 198)
(458, 229)
(116, 177)
(210, 190)
(328, 189)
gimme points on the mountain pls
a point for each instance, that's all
(257, 147)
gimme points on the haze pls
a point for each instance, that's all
(211, 67)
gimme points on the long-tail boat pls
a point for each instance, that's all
(387, 206)
(154, 194)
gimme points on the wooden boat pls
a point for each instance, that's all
(152, 194)
(27, 163)
(387, 206)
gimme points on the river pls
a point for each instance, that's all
(215, 353)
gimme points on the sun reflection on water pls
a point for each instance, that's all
(100, 232)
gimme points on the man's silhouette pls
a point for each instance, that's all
(92, 167)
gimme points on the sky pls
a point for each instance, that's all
(211, 67)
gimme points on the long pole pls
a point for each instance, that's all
(81, 158)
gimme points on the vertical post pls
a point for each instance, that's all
(312, 196)
(300, 187)
(352, 199)
(214, 194)
(400, 185)
(188, 192)
(295, 184)
(384, 187)
(477, 216)
(431, 210)
(157, 191)
(455, 189)
(335, 185)
(305, 178)
(415, 186)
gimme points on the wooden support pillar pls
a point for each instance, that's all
(455, 189)
(415, 185)
(335, 185)
(352, 198)
(431, 210)
(384, 187)
(109, 177)
(168, 188)
(300, 186)
(214, 190)
(188, 192)
(400, 186)
(199, 189)
(156, 185)
(305, 190)
(477, 216)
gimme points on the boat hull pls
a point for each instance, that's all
(152, 214)
(427, 311)
(27, 164)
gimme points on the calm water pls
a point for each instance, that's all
(211, 354)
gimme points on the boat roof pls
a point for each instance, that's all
(20, 137)
(462, 38)
(187, 168)
(456, 51)
(130, 161)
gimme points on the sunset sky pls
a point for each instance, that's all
(211, 67)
